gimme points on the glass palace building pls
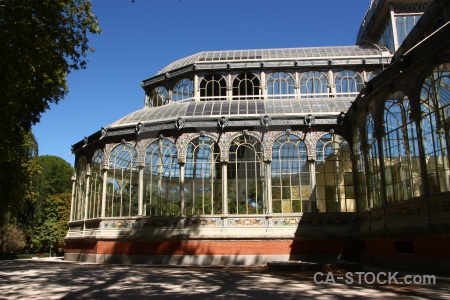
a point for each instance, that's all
(249, 156)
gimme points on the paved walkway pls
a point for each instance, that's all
(55, 279)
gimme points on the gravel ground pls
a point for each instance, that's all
(56, 279)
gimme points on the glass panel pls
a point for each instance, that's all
(123, 182)
(246, 177)
(280, 86)
(161, 178)
(435, 104)
(203, 178)
(400, 150)
(333, 169)
(290, 175)
(183, 91)
(96, 185)
(80, 190)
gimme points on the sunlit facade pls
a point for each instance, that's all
(248, 156)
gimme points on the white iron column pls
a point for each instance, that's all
(263, 85)
(196, 89)
(141, 191)
(268, 179)
(74, 181)
(86, 197)
(182, 204)
(312, 180)
(331, 84)
(394, 27)
(224, 189)
(441, 133)
(229, 88)
(105, 182)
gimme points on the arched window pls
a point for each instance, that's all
(246, 86)
(373, 163)
(161, 177)
(123, 182)
(400, 151)
(213, 87)
(245, 177)
(348, 83)
(96, 185)
(435, 107)
(291, 186)
(334, 175)
(80, 190)
(183, 91)
(158, 96)
(203, 179)
(280, 85)
(360, 171)
(313, 84)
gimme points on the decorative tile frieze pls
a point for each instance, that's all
(337, 220)
(286, 222)
(167, 222)
(247, 222)
(118, 224)
(405, 211)
(210, 222)
(440, 207)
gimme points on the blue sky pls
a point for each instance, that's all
(141, 38)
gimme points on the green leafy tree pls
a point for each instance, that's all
(53, 227)
(17, 172)
(42, 42)
(54, 177)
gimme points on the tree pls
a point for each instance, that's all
(53, 177)
(42, 42)
(12, 239)
(53, 227)
(17, 171)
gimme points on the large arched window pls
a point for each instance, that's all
(313, 84)
(400, 151)
(373, 164)
(280, 85)
(161, 178)
(435, 107)
(245, 177)
(80, 190)
(158, 96)
(96, 185)
(203, 179)
(334, 175)
(213, 87)
(246, 86)
(183, 91)
(360, 171)
(123, 182)
(291, 186)
(348, 83)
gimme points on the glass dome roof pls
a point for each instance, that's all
(275, 54)
(237, 109)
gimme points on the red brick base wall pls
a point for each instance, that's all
(213, 247)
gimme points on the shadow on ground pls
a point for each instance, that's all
(45, 279)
